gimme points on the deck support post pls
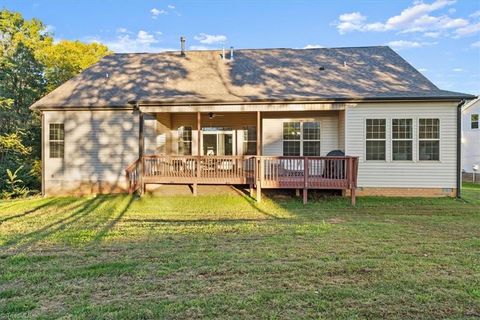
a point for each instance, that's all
(305, 180)
(352, 173)
(250, 187)
(141, 148)
(195, 189)
(259, 178)
(297, 193)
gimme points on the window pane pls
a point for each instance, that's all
(56, 149)
(291, 148)
(311, 131)
(429, 129)
(311, 148)
(402, 128)
(402, 150)
(475, 121)
(250, 133)
(376, 128)
(375, 150)
(185, 140)
(56, 131)
(291, 130)
(249, 148)
(429, 150)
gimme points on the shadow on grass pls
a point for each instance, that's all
(194, 221)
(80, 210)
(109, 226)
(253, 202)
(26, 213)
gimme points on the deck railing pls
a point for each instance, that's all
(262, 171)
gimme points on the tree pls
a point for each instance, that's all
(66, 59)
(31, 65)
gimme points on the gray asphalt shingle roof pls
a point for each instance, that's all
(253, 75)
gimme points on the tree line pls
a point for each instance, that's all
(32, 64)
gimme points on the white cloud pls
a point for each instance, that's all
(416, 18)
(457, 70)
(156, 12)
(210, 38)
(476, 14)
(353, 21)
(422, 69)
(468, 30)
(125, 41)
(432, 34)
(199, 47)
(313, 46)
(170, 6)
(405, 44)
(49, 28)
(476, 44)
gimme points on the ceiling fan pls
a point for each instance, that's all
(212, 115)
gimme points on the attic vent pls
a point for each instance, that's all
(321, 68)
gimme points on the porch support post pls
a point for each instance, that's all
(197, 163)
(141, 150)
(260, 171)
(259, 133)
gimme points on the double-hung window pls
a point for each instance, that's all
(429, 139)
(57, 140)
(301, 138)
(474, 121)
(311, 138)
(375, 139)
(249, 140)
(185, 140)
(402, 136)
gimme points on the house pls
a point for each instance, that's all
(264, 117)
(471, 139)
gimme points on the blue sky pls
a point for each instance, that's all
(439, 37)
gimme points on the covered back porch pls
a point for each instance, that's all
(263, 149)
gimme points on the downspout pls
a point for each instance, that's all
(459, 148)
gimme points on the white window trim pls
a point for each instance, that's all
(471, 121)
(54, 140)
(301, 121)
(365, 139)
(439, 140)
(414, 156)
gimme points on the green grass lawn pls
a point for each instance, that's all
(115, 257)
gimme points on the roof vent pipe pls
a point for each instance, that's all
(182, 46)
(231, 53)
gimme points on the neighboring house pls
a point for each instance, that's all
(201, 117)
(471, 138)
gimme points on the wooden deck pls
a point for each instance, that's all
(257, 171)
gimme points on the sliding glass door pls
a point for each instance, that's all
(218, 142)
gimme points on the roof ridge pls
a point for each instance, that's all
(253, 49)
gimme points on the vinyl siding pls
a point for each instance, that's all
(99, 145)
(416, 174)
(272, 124)
(470, 139)
(341, 130)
